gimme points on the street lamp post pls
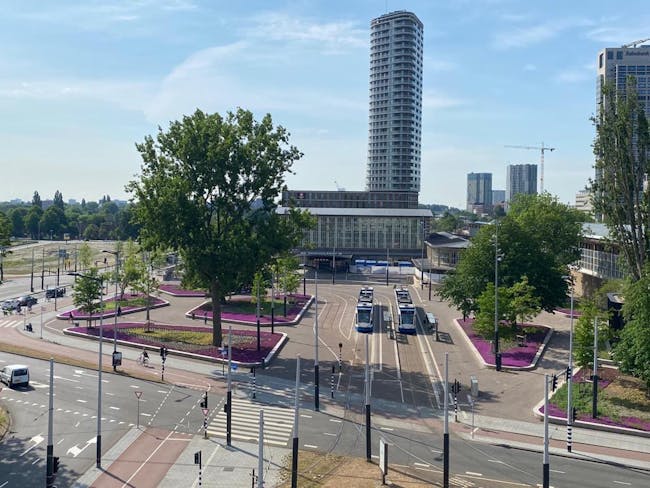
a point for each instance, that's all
(497, 353)
(99, 280)
(569, 406)
(316, 385)
(117, 275)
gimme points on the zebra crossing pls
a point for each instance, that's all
(11, 323)
(278, 422)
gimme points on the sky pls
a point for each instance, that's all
(82, 82)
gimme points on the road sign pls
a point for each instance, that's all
(205, 412)
(234, 366)
(138, 394)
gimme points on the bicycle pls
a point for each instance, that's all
(143, 361)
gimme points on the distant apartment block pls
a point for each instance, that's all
(521, 178)
(479, 192)
(498, 197)
(583, 202)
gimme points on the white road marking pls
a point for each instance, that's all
(81, 401)
(495, 461)
(472, 473)
(305, 416)
(330, 434)
(557, 471)
(386, 428)
(421, 464)
(37, 439)
(310, 446)
(336, 420)
(145, 414)
(114, 408)
(622, 483)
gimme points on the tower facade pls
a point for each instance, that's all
(616, 64)
(395, 115)
(521, 178)
(479, 192)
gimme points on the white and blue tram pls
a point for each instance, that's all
(364, 310)
(405, 311)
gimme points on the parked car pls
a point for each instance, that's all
(27, 301)
(15, 374)
(54, 292)
(9, 305)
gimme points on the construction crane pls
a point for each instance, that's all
(635, 43)
(541, 169)
(338, 187)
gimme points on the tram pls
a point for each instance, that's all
(364, 310)
(405, 311)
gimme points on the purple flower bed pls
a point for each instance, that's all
(567, 312)
(293, 309)
(520, 356)
(177, 291)
(244, 342)
(76, 314)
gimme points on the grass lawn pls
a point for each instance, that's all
(621, 399)
(250, 307)
(184, 337)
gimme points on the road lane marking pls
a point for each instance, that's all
(495, 461)
(310, 446)
(386, 428)
(305, 416)
(557, 471)
(622, 483)
(81, 401)
(145, 414)
(330, 434)
(37, 439)
(114, 408)
(336, 420)
(472, 473)
(421, 464)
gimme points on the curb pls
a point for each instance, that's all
(107, 315)
(531, 366)
(189, 355)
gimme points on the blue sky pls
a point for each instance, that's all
(82, 82)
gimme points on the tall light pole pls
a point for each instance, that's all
(316, 385)
(117, 276)
(545, 458)
(99, 280)
(497, 353)
(367, 383)
(422, 258)
(569, 372)
(229, 391)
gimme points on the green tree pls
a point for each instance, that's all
(484, 318)
(633, 349)
(208, 188)
(36, 201)
(286, 271)
(621, 148)
(17, 217)
(53, 221)
(86, 295)
(84, 256)
(5, 230)
(259, 287)
(524, 250)
(33, 221)
(58, 200)
(523, 304)
(447, 223)
(583, 337)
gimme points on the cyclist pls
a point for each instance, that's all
(144, 357)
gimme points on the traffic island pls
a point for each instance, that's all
(189, 341)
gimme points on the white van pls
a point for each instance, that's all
(15, 374)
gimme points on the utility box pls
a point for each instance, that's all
(473, 386)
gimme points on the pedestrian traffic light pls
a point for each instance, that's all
(55, 464)
(204, 400)
(554, 382)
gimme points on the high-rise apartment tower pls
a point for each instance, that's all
(479, 192)
(395, 122)
(521, 178)
(616, 64)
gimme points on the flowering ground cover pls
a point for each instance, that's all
(177, 291)
(243, 310)
(512, 354)
(622, 401)
(130, 304)
(195, 340)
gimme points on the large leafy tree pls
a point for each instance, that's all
(538, 238)
(633, 350)
(621, 148)
(208, 188)
(87, 292)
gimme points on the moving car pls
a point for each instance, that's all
(27, 301)
(15, 374)
(10, 305)
(54, 292)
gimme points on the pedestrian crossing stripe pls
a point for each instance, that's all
(278, 423)
(11, 323)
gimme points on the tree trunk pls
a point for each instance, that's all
(215, 290)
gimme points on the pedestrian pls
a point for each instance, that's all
(119, 310)
(205, 317)
(192, 315)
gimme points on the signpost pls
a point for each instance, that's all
(383, 459)
(138, 394)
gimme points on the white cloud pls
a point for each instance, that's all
(126, 94)
(534, 34)
(617, 35)
(333, 37)
(439, 101)
(586, 72)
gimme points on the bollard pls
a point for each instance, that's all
(254, 383)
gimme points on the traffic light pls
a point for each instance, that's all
(162, 351)
(204, 400)
(55, 464)
(568, 373)
(554, 382)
